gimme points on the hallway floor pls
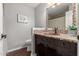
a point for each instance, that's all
(20, 52)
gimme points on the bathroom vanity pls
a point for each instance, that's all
(59, 41)
(55, 45)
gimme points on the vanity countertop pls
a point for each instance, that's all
(60, 36)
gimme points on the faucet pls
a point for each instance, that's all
(56, 30)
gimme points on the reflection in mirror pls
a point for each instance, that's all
(60, 16)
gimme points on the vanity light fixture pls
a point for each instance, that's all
(53, 5)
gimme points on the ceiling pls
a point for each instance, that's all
(58, 11)
(33, 5)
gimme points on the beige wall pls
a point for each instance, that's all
(78, 28)
(78, 18)
(17, 33)
(40, 15)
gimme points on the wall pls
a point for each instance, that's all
(40, 15)
(58, 22)
(1, 29)
(1, 21)
(16, 32)
(78, 27)
(78, 17)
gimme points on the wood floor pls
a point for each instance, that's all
(20, 52)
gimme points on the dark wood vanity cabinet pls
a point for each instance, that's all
(40, 46)
(49, 46)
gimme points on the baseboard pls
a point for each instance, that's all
(15, 49)
(24, 45)
(33, 54)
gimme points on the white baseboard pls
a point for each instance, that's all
(33, 54)
(14, 49)
(28, 48)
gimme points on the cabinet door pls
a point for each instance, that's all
(52, 47)
(40, 50)
(72, 48)
(39, 45)
(52, 42)
(68, 48)
(51, 51)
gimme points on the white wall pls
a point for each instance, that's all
(1, 29)
(16, 32)
(58, 22)
(40, 15)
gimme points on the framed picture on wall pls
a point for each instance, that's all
(22, 18)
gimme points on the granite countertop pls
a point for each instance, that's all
(60, 36)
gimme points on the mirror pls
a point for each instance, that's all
(60, 15)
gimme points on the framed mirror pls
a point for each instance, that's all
(61, 15)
